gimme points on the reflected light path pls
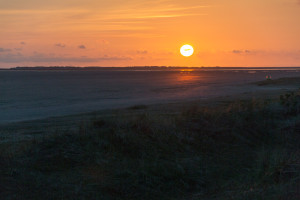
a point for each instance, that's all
(187, 75)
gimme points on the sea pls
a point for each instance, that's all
(36, 94)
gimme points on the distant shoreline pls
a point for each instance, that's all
(146, 68)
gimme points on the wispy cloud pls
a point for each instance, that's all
(60, 45)
(164, 9)
(264, 53)
(10, 57)
(39, 11)
(129, 15)
(165, 16)
(4, 50)
(23, 43)
(237, 51)
(43, 58)
(136, 15)
(142, 52)
(241, 51)
(82, 46)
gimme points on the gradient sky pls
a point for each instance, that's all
(143, 32)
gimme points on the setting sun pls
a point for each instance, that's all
(186, 50)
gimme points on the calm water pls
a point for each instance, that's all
(28, 95)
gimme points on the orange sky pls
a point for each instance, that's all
(140, 32)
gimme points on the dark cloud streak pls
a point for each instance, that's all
(142, 52)
(60, 45)
(241, 51)
(237, 51)
(81, 47)
(4, 50)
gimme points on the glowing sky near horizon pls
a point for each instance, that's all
(142, 32)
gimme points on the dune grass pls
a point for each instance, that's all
(241, 150)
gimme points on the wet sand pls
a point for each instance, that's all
(35, 129)
(33, 95)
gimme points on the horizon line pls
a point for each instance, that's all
(146, 66)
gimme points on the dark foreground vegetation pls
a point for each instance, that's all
(241, 150)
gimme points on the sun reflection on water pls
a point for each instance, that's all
(187, 75)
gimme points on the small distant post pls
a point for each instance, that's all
(268, 77)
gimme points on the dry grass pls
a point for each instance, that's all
(241, 150)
